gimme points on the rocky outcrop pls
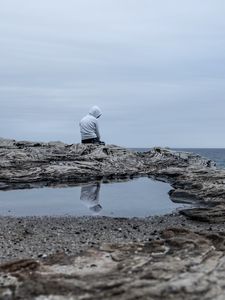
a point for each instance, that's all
(179, 264)
(26, 164)
(122, 259)
(193, 178)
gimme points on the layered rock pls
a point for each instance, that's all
(193, 178)
(28, 163)
(24, 164)
(180, 264)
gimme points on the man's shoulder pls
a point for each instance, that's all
(89, 118)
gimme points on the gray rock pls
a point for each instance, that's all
(180, 265)
(34, 164)
(122, 258)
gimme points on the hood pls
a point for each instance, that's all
(95, 111)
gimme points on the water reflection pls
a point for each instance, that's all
(89, 195)
(135, 198)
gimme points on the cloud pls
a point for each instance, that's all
(154, 67)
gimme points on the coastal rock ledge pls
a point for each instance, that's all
(176, 256)
(194, 179)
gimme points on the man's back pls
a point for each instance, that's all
(89, 127)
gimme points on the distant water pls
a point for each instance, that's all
(215, 154)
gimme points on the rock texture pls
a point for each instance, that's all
(180, 264)
(26, 164)
(121, 259)
(193, 178)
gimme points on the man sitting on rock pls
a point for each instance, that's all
(89, 127)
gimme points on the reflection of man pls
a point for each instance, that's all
(89, 195)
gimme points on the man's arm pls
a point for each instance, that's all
(97, 130)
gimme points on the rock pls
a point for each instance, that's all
(181, 265)
(26, 164)
(206, 214)
(142, 261)
(30, 164)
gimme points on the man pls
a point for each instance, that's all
(89, 127)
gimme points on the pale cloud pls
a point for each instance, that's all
(156, 68)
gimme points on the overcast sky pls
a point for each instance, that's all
(155, 68)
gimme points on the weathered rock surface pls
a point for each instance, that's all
(24, 164)
(180, 264)
(193, 178)
(122, 259)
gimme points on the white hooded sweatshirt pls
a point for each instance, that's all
(89, 124)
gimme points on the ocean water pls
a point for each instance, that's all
(215, 154)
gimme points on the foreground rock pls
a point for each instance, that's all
(194, 179)
(180, 264)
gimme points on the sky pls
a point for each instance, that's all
(155, 68)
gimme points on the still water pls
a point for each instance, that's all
(135, 198)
